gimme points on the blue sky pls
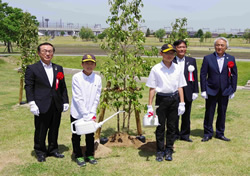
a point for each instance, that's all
(214, 15)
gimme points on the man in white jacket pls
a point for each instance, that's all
(86, 91)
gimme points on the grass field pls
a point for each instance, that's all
(215, 157)
(67, 45)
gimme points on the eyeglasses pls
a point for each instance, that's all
(47, 51)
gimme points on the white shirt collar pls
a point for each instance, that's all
(180, 60)
(88, 76)
(218, 57)
(45, 65)
(172, 65)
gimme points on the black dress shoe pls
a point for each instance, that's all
(41, 158)
(57, 155)
(206, 138)
(222, 138)
(188, 139)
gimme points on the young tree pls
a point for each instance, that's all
(74, 37)
(207, 35)
(86, 33)
(27, 41)
(10, 19)
(124, 43)
(223, 35)
(246, 35)
(62, 33)
(199, 33)
(160, 33)
(179, 31)
(148, 32)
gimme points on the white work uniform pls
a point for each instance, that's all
(166, 80)
(86, 92)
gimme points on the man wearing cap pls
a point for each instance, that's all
(189, 68)
(86, 91)
(166, 80)
(47, 96)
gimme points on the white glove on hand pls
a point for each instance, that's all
(181, 108)
(150, 111)
(65, 107)
(231, 96)
(33, 108)
(194, 96)
(204, 95)
(90, 116)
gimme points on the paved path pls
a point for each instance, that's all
(143, 79)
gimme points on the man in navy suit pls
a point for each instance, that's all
(189, 68)
(218, 79)
(47, 96)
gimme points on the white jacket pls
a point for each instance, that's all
(86, 92)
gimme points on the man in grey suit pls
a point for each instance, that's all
(218, 80)
(47, 96)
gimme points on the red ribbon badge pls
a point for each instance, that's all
(230, 65)
(59, 77)
(150, 114)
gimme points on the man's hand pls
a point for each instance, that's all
(150, 111)
(90, 116)
(181, 108)
(204, 95)
(65, 107)
(194, 96)
(231, 96)
(33, 108)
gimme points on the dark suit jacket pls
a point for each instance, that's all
(212, 81)
(38, 88)
(192, 86)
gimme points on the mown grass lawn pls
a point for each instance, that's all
(215, 157)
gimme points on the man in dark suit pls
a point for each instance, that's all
(189, 68)
(218, 79)
(47, 96)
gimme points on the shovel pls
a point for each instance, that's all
(86, 127)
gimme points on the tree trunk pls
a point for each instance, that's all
(21, 91)
(118, 121)
(138, 121)
(129, 115)
(101, 117)
(8, 46)
(102, 112)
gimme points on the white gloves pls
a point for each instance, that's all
(150, 111)
(204, 95)
(90, 116)
(231, 96)
(181, 108)
(194, 96)
(65, 107)
(33, 108)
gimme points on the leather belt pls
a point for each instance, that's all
(167, 94)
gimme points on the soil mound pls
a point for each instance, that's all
(123, 140)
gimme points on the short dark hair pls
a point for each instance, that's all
(45, 43)
(178, 42)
